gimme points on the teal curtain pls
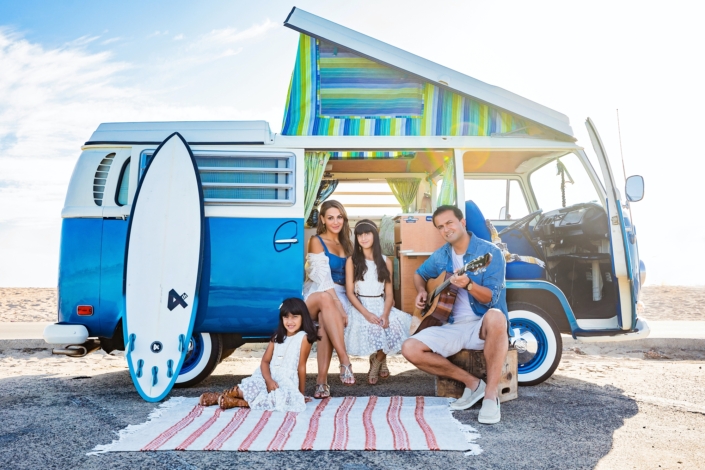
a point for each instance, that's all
(405, 190)
(314, 167)
(446, 196)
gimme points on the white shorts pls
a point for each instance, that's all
(450, 338)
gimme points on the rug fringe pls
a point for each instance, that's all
(133, 428)
(470, 435)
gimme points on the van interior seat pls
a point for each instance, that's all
(516, 269)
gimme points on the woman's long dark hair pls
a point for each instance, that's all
(344, 235)
(358, 256)
(296, 307)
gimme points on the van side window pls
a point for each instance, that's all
(101, 176)
(498, 199)
(242, 177)
(123, 187)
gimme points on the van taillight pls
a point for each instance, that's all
(85, 310)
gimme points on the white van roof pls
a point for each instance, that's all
(195, 132)
(381, 52)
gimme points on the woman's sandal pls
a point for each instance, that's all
(209, 399)
(373, 374)
(346, 374)
(383, 369)
(322, 391)
(227, 402)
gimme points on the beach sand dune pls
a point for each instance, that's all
(663, 303)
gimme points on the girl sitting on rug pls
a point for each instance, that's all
(279, 383)
(375, 327)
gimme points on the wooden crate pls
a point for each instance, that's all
(405, 296)
(474, 362)
(416, 232)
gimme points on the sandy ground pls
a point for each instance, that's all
(662, 303)
(28, 304)
(607, 412)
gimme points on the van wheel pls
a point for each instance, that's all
(202, 357)
(226, 354)
(538, 342)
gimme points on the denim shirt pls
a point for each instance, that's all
(491, 277)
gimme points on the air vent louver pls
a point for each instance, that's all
(101, 176)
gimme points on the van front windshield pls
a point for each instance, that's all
(561, 183)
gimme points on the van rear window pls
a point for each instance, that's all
(242, 177)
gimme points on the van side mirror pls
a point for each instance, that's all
(634, 188)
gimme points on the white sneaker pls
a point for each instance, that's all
(469, 397)
(489, 413)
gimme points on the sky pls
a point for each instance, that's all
(67, 66)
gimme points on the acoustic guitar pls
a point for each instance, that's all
(439, 303)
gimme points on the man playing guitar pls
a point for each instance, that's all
(478, 318)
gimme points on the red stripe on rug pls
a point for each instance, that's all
(198, 432)
(283, 432)
(370, 435)
(255, 432)
(313, 425)
(427, 431)
(161, 439)
(229, 429)
(401, 438)
(341, 433)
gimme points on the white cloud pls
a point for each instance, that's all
(178, 37)
(110, 41)
(228, 36)
(158, 33)
(82, 41)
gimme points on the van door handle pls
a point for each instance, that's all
(287, 240)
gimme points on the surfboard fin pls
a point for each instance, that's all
(131, 342)
(155, 369)
(169, 368)
(140, 363)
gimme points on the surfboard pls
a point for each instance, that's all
(163, 258)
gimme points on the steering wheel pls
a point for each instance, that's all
(521, 222)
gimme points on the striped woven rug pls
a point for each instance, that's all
(341, 423)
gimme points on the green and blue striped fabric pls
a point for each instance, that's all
(335, 92)
(351, 86)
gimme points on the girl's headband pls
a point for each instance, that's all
(366, 223)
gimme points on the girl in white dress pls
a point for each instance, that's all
(279, 383)
(375, 327)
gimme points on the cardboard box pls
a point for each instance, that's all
(416, 232)
(405, 296)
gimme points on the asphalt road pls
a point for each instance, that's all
(595, 410)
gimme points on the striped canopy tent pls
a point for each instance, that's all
(347, 84)
(334, 91)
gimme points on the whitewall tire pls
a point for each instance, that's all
(203, 356)
(538, 342)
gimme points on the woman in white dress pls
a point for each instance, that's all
(375, 327)
(324, 291)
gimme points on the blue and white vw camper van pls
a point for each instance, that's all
(354, 130)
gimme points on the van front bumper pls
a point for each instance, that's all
(640, 331)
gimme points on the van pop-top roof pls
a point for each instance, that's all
(348, 83)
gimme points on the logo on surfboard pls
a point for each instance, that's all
(176, 299)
